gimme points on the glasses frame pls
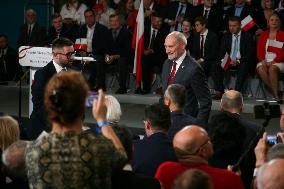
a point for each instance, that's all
(68, 55)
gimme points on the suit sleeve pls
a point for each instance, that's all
(211, 53)
(247, 54)
(37, 90)
(223, 47)
(201, 90)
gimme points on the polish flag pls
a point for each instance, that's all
(81, 44)
(226, 62)
(247, 23)
(138, 43)
(274, 46)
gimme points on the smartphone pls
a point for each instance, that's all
(90, 99)
(272, 110)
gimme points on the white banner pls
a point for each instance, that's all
(34, 56)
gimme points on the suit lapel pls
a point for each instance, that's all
(180, 72)
(229, 43)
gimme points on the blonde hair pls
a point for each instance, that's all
(9, 131)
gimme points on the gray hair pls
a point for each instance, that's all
(179, 37)
(31, 11)
(232, 100)
(277, 151)
(113, 109)
(14, 158)
(177, 93)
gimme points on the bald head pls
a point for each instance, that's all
(190, 139)
(271, 174)
(232, 101)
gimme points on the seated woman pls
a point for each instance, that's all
(187, 32)
(270, 54)
(72, 12)
(68, 157)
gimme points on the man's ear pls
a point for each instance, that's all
(242, 108)
(167, 101)
(221, 107)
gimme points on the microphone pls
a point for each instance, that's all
(85, 58)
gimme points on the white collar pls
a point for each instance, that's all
(58, 68)
(204, 33)
(91, 28)
(180, 59)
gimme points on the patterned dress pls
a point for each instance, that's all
(72, 160)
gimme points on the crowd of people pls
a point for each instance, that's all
(213, 29)
(185, 42)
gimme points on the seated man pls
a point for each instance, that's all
(9, 67)
(156, 147)
(175, 98)
(31, 33)
(193, 149)
(154, 53)
(125, 178)
(118, 52)
(96, 46)
(239, 46)
(204, 49)
(58, 30)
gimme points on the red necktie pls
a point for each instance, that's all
(172, 74)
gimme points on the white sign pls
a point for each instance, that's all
(34, 56)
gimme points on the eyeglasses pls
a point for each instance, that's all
(202, 145)
(68, 55)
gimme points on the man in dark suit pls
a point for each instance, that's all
(175, 99)
(175, 13)
(62, 50)
(154, 53)
(118, 53)
(211, 12)
(240, 46)
(232, 101)
(97, 42)
(31, 33)
(126, 178)
(58, 29)
(182, 69)
(241, 10)
(205, 51)
(156, 147)
(10, 69)
(152, 7)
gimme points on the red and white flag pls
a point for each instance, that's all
(226, 61)
(138, 43)
(248, 23)
(81, 44)
(274, 46)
